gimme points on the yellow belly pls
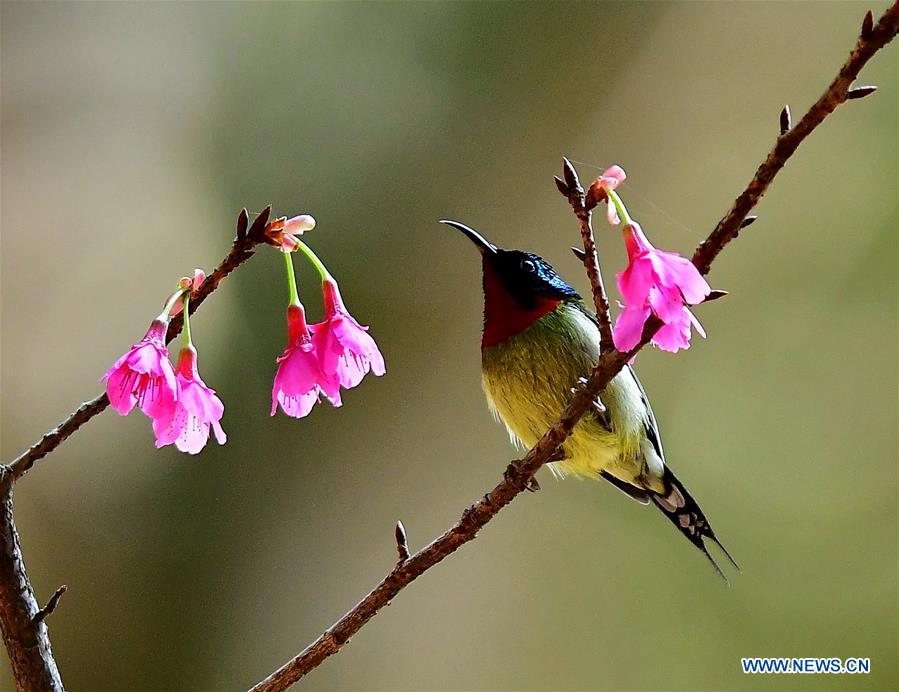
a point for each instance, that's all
(528, 380)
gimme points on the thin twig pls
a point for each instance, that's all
(48, 609)
(514, 482)
(24, 633)
(516, 478)
(21, 619)
(241, 251)
(571, 188)
(868, 44)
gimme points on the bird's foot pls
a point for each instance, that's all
(598, 408)
(531, 485)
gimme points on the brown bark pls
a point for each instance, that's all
(24, 628)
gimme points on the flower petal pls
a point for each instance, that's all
(612, 213)
(666, 303)
(298, 406)
(194, 436)
(613, 176)
(119, 390)
(629, 327)
(636, 280)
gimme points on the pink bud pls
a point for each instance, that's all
(199, 278)
(613, 176)
(299, 224)
(281, 233)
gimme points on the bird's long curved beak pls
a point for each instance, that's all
(483, 246)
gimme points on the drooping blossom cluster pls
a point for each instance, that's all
(180, 405)
(320, 358)
(655, 282)
(317, 362)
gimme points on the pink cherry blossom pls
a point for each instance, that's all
(300, 380)
(282, 232)
(660, 283)
(344, 346)
(610, 179)
(144, 376)
(196, 409)
(192, 283)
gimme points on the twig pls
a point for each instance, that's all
(241, 251)
(21, 619)
(48, 609)
(516, 477)
(572, 190)
(871, 40)
(466, 529)
(24, 632)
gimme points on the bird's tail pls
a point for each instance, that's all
(683, 511)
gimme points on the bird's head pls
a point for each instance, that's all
(519, 288)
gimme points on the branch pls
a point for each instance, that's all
(519, 473)
(21, 619)
(23, 627)
(48, 609)
(241, 251)
(872, 39)
(572, 190)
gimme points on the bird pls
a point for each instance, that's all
(539, 343)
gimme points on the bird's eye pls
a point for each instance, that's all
(528, 266)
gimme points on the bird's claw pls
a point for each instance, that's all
(598, 407)
(531, 485)
(580, 385)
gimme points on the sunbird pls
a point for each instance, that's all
(539, 342)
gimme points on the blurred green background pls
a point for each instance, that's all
(132, 134)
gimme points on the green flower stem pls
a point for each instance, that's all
(291, 279)
(316, 262)
(619, 205)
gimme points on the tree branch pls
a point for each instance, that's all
(870, 41)
(24, 630)
(241, 251)
(21, 619)
(572, 190)
(48, 609)
(610, 363)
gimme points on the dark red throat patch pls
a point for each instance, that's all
(504, 316)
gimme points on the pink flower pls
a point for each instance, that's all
(186, 282)
(344, 347)
(300, 380)
(610, 179)
(144, 376)
(657, 282)
(282, 232)
(196, 409)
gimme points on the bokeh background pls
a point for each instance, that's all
(132, 134)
